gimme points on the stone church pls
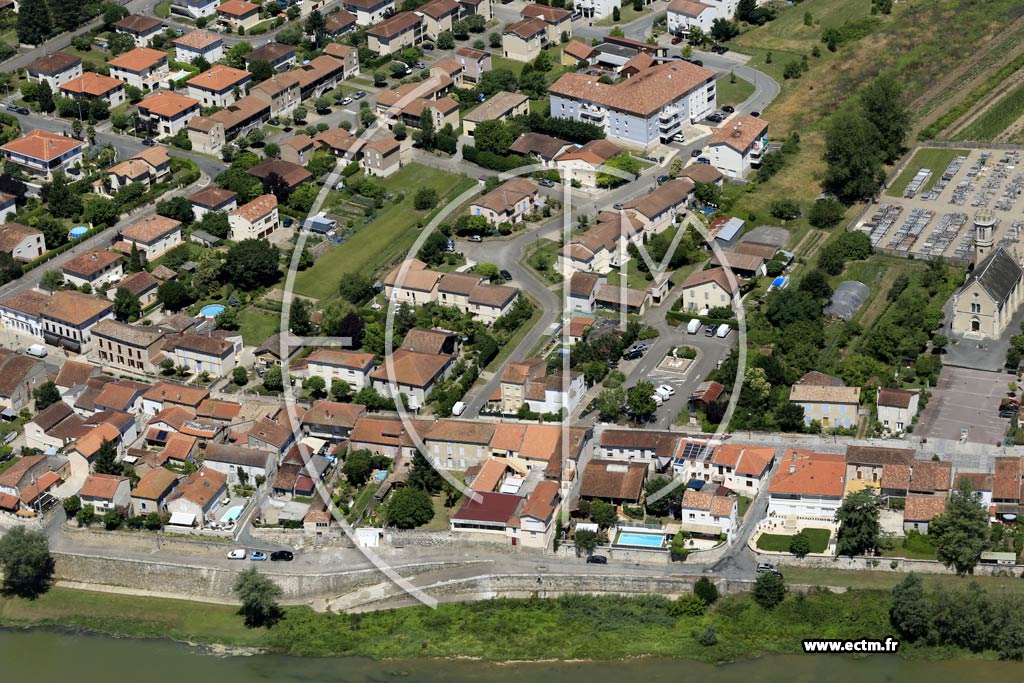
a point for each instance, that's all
(994, 290)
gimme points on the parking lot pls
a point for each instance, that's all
(934, 215)
(966, 399)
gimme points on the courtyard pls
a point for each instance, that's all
(966, 399)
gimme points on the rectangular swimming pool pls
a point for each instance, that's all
(641, 540)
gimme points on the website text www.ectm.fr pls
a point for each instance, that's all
(889, 645)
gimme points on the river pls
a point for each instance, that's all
(39, 655)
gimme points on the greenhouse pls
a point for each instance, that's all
(847, 300)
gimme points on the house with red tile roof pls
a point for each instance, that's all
(199, 43)
(686, 15)
(333, 365)
(706, 289)
(153, 236)
(257, 219)
(509, 202)
(93, 86)
(411, 373)
(198, 495)
(238, 14)
(218, 86)
(106, 492)
(807, 485)
(142, 67)
(21, 242)
(43, 153)
(166, 112)
(707, 514)
(738, 145)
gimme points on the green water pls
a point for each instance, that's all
(48, 656)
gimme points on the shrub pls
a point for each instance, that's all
(708, 637)
(705, 590)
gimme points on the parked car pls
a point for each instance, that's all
(703, 160)
(678, 137)
(149, 142)
(633, 354)
(617, 205)
(597, 559)
(258, 556)
(428, 46)
(18, 109)
(719, 49)
(346, 100)
(505, 274)
(663, 179)
(237, 554)
(755, 114)
(358, 95)
(729, 109)
(696, 153)
(709, 331)
(475, 238)
(544, 182)
(282, 556)
(765, 568)
(419, 65)
(716, 117)
(666, 390)
(676, 40)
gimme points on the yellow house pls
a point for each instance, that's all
(706, 289)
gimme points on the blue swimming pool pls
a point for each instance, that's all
(232, 514)
(640, 540)
(78, 231)
(381, 475)
(211, 311)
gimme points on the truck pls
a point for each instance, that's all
(693, 327)
(723, 330)
(37, 350)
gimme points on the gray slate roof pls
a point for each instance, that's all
(997, 275)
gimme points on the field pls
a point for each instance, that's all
(780, 543)
(383, 240)
(1000, 117)
(733, 93)
(935, 159)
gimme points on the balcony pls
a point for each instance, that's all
(595, 116)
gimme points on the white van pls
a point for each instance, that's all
(37, 350)
(458, 408)
(723, 330)
(693, 327)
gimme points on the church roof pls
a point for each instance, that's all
(997, 275)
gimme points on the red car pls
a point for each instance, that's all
(677, 39)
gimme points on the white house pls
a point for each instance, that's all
(199, 43)
(684, 15)
(198, 495)
(347, 366)
(897, 409)
(153, 236)
(707, 514)
(106, 492)
(808, 485)
(230, 460)
(738, 145)
(256, 220)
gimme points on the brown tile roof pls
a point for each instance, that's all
(53, 64)
(175, 416)
(386, 431)
(155, 484)
(740, 133)
(895, 398)
(212, 196)
(118, 396)
(551, 15)
(503, 198)
(298, 142)
(219, 410)
(739, 262)
(643, 94)
(500, 104)
(458, 283)
(91, 262)
(919, 508)
(471, 53)
(426, 341)
(527, 28)
(198, 39)
(167, 104)
(579, 50)
(89, 444)
(335, 22)
(668, 195)
(979, 481)
(138, 60)
(257, 208)
(595, 152)
(42, 145)
(73, 373)
(489, 473)
(488, 507)
(615, 296)
(1006, 481)
(75, 308)
(707, 392)
(12, 234)
(200, 487)
(136, 23)
(237, 8)
(219, 78)
(139, 283)
(384, 146)
(13, 475)
(150, 229)
(52, 415)
(878, 455)
(336, 139)
(93, 84)
(417, 276)
(438, 8)
(896, 476)
(271, 432)
(543, 146)
(518, 372)
(688, 7)
(292, 174)
(201, 343)
(458, 431)
(745, 460)
(929, 477)
(541, 442)
(180, 394)
(542, 502)
(344, 359)
(29, 302)
(394, 25)
(613, 479)
(818, 394)
(701, 173)
(428, 89)
(333, 414)
(101, 486)
(803, 472)
(270, 52)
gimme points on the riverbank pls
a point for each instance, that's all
(571, 627)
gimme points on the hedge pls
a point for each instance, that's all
(491, 161)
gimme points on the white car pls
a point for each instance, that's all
(666, 391)
(237, 554)
(347, 100)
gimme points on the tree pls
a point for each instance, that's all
(910, 613)
(106, 460)
(46, 395)
(826, 213)
(357, 288)
(178, 208)
(445, 40)
(358, 467)
(316, 386)
(341, 391)
(272, 379)
(722, 29)
(706, 590)
(72, 504)
(27, 564)
(127, 307)
(800, 544)
(603, 514)
(962, 531)
(769, 590)
(586, 540)
(261, 70)
(299, 318)
(258, 595)
(422, 475)
(119, 43)
(425, 199)
(316, 25)
(859, 528)
(663, 506)
(44, 98)
(610, 403)
(640, 400)
(99, 211)
(616, 14)
(215, 223)
(240, 376)
(252, 264)
(63, 200)
(409, 507)
(135, 260)
(885, 108)
(854, 166)
(34, 24)
(816, 284)
(174, 295)
(86, 516)
(962, 617)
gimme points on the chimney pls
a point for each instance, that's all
(792, 469)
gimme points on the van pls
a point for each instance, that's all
(458, 408)
(658, 400)
(723, 330)
(693, 327)
(37, 350)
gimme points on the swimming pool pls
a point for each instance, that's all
(232, 514)
(381, 475)
(211, 310)
(641, 540)
(78, 231)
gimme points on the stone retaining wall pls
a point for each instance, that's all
(880, 564)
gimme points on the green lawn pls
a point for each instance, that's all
(256, 325)
(543, 260)
(789, 32)
(914, 547)
(627, 14)
(733, 93)
(742, 505)
(634, 278)
(386, 238)
(442, 515)
(780, 543)
(514, 340)
(96, 57)
(162, 9)
(935, 159)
